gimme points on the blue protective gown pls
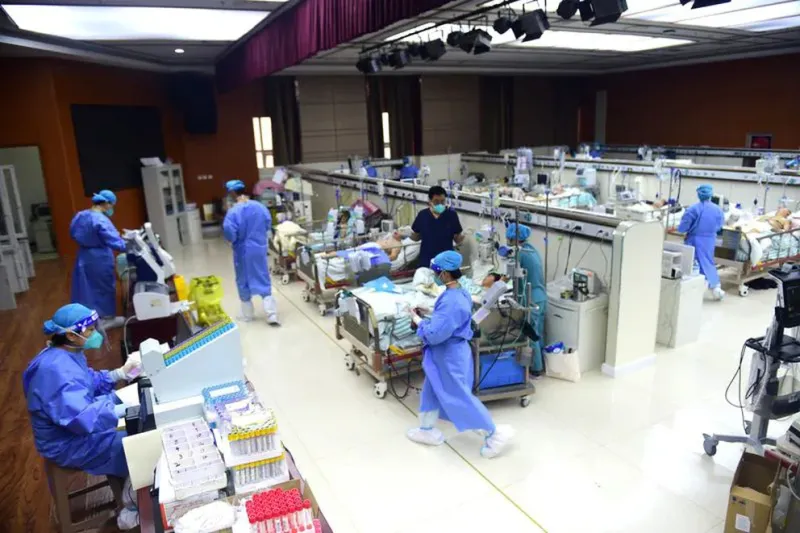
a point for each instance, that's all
(94, 283)
(701, 223)
(71, 408)
(246, 227)
(409, 172)
(448, 364)
(531, 261)
(372, 172)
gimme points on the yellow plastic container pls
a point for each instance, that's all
(206, 293)
(181, 289)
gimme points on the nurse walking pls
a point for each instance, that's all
(701, 223)
(449, 367)
(246, 226)
(94, 282)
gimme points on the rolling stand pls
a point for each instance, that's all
(771, 351)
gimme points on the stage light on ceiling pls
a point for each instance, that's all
(606, 11)
(567, 9)
(433, 50)
(531, 25)
(384, 58)
(504, 21)
(368, 65)
(399, 58)
(586, 10)
(414, 49)
(454, 38)
(707, 3)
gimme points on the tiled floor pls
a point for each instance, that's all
(602, 455)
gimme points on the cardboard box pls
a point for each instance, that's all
(752, 495)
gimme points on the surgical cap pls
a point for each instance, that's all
(71, 317)
(235, 186)
(518, 232)
(406, 160)
(448, 261)
(103, 197)
(704, 192)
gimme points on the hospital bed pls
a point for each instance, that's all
(748, 256)
(325, 275)
(383, 344)
(282, 247)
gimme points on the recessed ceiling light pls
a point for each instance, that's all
(683, 14)
(113, 23)
(607, 42)
(748, 16)
(179, 50)
(772, 25)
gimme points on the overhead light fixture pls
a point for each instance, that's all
(504, 21)
(384, 58)
(454, 38)
(567, 9)
(179, 50)
(432, 50)
(586, 10)
(368, 65)
(128, 23)
(531, 25)
(606, 11)
(399, 58)
(414, 49)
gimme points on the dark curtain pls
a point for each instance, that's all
(372, 86)
(496, 112)
(400, 97)
(405, 114)
(308, 28)
(280, 95)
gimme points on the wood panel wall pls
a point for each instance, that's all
(333, 118)
(450, 115)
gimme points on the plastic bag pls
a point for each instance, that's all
(563, 365)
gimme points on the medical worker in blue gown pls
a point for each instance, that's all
(701, 223)
(448, 365)
(246, 226)
(73, 409)
(531, 262)
(94, 282)
(408, 171)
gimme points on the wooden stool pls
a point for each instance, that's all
(58, 481)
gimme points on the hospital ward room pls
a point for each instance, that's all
(349, 266)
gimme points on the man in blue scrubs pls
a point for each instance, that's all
(437, 227)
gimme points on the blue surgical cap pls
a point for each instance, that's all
(704, 192)
(235, 186)
(448, 261)
(365, 163)
(103, 197)
(71, 317)
(406, 160)
(518, 232)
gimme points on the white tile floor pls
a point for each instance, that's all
(602, 455)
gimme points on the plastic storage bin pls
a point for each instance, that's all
(503, 372)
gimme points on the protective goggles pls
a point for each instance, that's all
(436, 268)
(81, 325)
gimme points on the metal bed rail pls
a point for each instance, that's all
(366, 354)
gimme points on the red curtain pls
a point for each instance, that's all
(309, 28)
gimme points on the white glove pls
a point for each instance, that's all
(128, 371)
(415, 318)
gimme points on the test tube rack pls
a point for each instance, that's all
(277, 510)
(259, 475)
(206, 359)
(216, 397)
(194, 463)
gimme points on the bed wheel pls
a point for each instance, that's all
(349, 362)
(380, 390)
(322, 310)
(285, 279)
(306, 296)
(743, 290)
(525, 401)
